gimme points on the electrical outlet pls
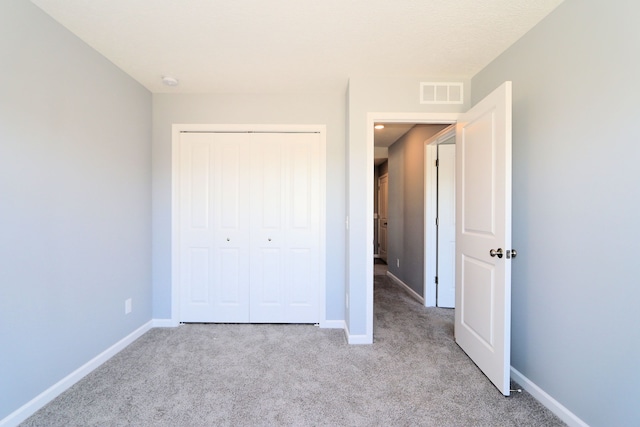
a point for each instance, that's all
(398, 262)
(127, 306)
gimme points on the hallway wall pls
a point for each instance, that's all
(406, 206)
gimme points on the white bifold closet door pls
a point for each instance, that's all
(249, 227)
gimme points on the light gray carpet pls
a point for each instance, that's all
(296, 375)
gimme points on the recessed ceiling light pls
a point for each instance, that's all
(379, 126)
(169, 81)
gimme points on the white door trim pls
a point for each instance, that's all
(431, 211)
(372, 117)
(175, 193)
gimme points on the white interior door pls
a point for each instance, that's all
(383, 203)
(214, 228)
(446, 226)
(483, 230)
(285, 226)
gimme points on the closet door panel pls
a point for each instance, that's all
(267, 202)
(303, 229)
(284, 276)
(214, 228)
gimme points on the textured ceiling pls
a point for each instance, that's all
(254, 46)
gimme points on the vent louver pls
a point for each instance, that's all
(441, 93)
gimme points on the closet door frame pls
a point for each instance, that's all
(177, 129)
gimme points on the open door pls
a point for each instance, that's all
(446, 252)
(483, 235)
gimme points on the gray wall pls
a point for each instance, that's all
(325, 108)
(406, 206)
(576, 197)
(75, 203)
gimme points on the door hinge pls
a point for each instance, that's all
(437, 162)
(435, 280)
(436, 221)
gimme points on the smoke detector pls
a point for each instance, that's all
(169, 81)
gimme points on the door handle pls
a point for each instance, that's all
(512, 253)
(496, 252)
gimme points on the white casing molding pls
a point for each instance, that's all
(31, 407)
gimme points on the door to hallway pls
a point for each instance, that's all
(483, 235)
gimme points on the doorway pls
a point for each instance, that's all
(483, 231)
(401, 168)
(372, 118)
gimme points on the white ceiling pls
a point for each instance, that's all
(257, 46)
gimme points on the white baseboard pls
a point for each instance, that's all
(30, 408)
(356, 339)
(164, 323)
(541, 396)
(406, 287)
(332, 324)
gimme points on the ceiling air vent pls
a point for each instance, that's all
(441, 93)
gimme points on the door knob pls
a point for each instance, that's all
(512, 253)
(496, 252)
